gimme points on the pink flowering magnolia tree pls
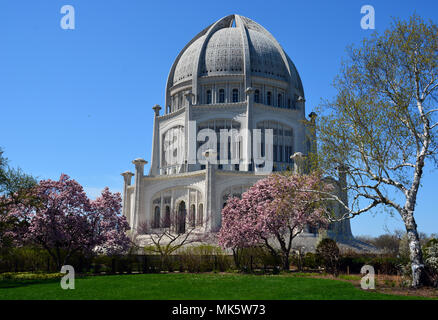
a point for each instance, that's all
(65, 221)
(273, 212)
(108, 225)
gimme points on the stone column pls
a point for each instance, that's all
(345, 227)
(312, 133)
(210, 204)
(189, 135)
(127, 177)
(162, 210)
(188, 211)
(155, 163)
(138, 192)
(173, 210)
(247, 147)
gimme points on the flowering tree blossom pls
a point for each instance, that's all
(273, 212)
(108, 225)
(431, 260)
(64, 221)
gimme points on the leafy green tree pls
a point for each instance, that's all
(14, 190)
(381, 128)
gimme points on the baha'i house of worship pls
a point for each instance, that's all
(233, 75)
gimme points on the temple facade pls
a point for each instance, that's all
(229, 88)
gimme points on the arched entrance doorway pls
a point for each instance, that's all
(181, 218)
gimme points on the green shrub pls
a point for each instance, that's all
(189, 261)
(384, 264)
(328, 252)
(26, 258)
(204, 258)
(18, 276)
(310, 260)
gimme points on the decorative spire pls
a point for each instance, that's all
(127, 176)
(157, 109)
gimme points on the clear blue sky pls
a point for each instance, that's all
(79, 101)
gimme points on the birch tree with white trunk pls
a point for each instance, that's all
(381, 127)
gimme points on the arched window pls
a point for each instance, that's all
(283, 140)
(221, 95)
(200, 220)
(279, 100)
(180, 101)
(268, 98)
(174, 105)
(166, 222)
(208, 96)
(235, 95)
(257, 96)
(231, 143)
(192, 216)
(157, 217)
(172, 147)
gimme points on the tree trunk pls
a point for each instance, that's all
(416, 257)
(236, 257)
(58, 260)
(286, 264)
(419, 277)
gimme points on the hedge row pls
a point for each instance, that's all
(352, 263)
(196, 259)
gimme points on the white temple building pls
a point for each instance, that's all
(232, 75)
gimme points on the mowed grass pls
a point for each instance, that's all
(191, 287)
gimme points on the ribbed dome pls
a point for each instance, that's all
(223, 54)
(184, 68)
(226, 47)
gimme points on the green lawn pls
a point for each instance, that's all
(190, 286)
